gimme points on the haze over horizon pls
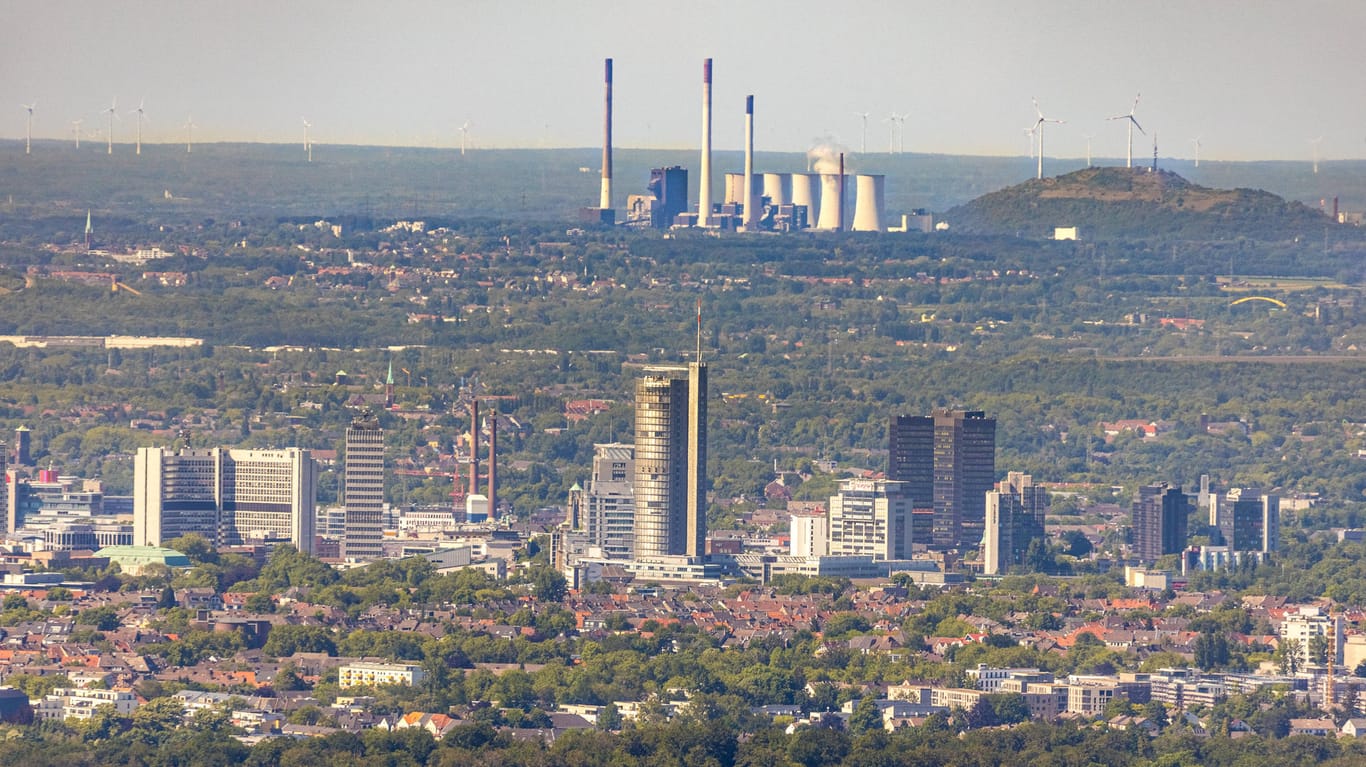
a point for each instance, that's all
(1253, 82)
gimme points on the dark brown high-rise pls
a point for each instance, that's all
(948, 461)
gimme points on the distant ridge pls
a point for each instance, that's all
(1135, 203)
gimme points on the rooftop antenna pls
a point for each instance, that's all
(308, 143)
(1314, 144)
(189, 134)
(863, 147)
(1196, 142)
(464, 137)
(1038, 126)
(28, 136)
(76, 130)
(142, 115)
(113, 111)
(1133, 123)
(1088, 137)
(699, 331)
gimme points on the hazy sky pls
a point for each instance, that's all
(1254, 79)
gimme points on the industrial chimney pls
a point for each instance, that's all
(606, 202)
(493, 464)
(704, 183)
(750, 214)
(474, 447)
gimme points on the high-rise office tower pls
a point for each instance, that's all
(871, 517)
(1160, 519)
(23, 441)
(670, 487)
(948, 461)
(610, 509)
(363, 491)
(1248, 520)
(1015, 513)
(228, 496)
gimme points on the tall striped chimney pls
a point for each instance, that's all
(493, 464)
(751, 215)
(606, 202)
(704, 182)
(474, 446)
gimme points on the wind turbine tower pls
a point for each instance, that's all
(113, 111)
(28, 135)
(1196, 142)
(1314, 144)
(464, 137)
(189, 134)
(1088, 137)
(308, 143)
(142, 115)
(1133, 123)
(863, 145)
(76, 130)
(1038, 127)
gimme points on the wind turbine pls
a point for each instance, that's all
(1133, 123)
(142, 115)
(1088, 137)
(113, 111)
(1314, 143)
(1196, 142)
(76, 129)
(1029, 133)
(28, 137)
(308, 145)
(1038, 127)
(189, 134)
(863, 147)
(901, 133)
(464, 137)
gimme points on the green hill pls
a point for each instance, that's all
(1136, 203)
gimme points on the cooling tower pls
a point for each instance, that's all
(778, 188)
(606, 202)
(868, 207)
(831, 204)
(750, 212)
(704, 182)
(806, 190)
(734, 189)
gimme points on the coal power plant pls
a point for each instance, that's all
(753, 200)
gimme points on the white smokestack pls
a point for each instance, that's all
(751, 214)
(606, 201)
(704, 182)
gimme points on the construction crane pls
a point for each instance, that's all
(115, 286)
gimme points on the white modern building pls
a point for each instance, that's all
(378, 674)
(810, 531)
(77, 703)
(871, 517)
(609, 503)
(228, 496)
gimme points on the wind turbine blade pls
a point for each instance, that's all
(1136, 125)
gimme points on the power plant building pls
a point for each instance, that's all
(669, 488)
(363, 491)
(666, 201)
(228, 496)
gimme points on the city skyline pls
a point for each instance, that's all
(1260, 84)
